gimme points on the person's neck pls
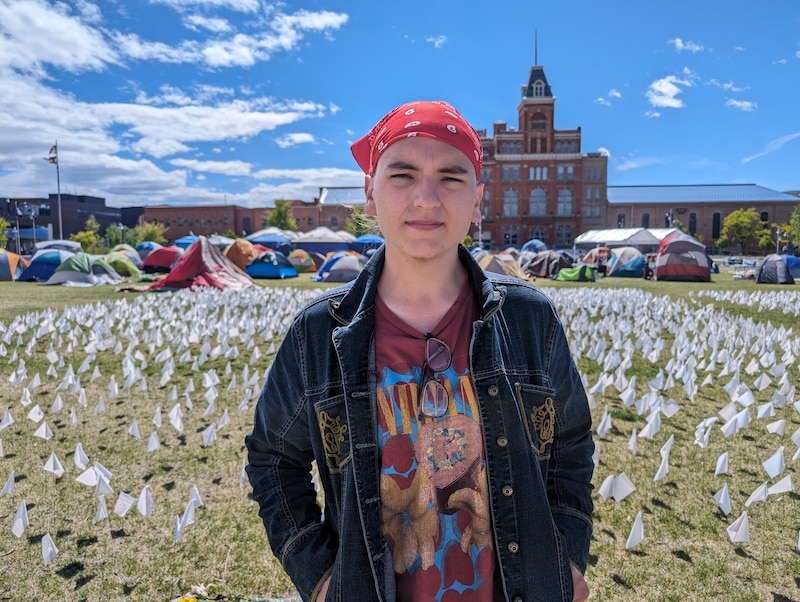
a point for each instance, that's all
(421, 292)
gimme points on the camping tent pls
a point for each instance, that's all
(534, 245)
(580, 273)
(241, 252)
(626, 262)
(276, 242)
(184, 241)
(162, 260)
(221, 242)
(321, 240)
(546, 264)
(83, 269)
(773, 270)
(302, 261)
(502, 263)
(203, 264)
(330, 271)
(122, 264)
(11, 265)
(366, 242)
(44, 263)
(683, 258)
(63, 245)
(272, 264)
(793, 264)
(147, 247)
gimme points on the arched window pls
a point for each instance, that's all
(620, 220)
(537, 203)
(564, 203)
(510, 204)
(558, 147)
(573, 147)
(716, 225)
(692, 223)
(564, 236)
(645, 220)
(538, 233)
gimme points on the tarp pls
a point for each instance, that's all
(241, 252)
(43, 264)
(272, 264)
(82, 269)
(204, 265)
(11, 265)
(682, 258)
(185, 241)
(276, 242)
(534, 245)
(546, 264)
(162, 260)
(64, 245)
(302, 261)
(773, 270)
(221, 242)
(626, 262)
(580, 273)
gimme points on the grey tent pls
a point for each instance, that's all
(773, 270)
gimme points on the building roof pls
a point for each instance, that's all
(622, 237)
(701, 193)
(342, 195)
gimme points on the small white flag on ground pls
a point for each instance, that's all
(739, 530)
(20, 521)
(8, 488)
(124, 503)
(210, 434)
(775, 465)
(722, 465)
(782, 486)
(80, 458)
(637, 533)
(152, 442)
(178, 533)
(43, 432)
(49, 549)
(133, 431)
(102, 510)
(758, 495)
(145, 502)
(54, 466)
(723, 499)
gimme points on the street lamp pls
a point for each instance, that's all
(121, 228)
(778, 240)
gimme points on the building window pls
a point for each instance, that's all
(564, 236)
(537, 203)
(764, 217)
(538, 233)
(564, 203)
(487, 195)
(515, 174)
(167, 222)
(645, 220)
(191, 222)
(224, 221)
(573, 147)
(692, 223)
(180, 222)
(215, 221)
(537, 174)
(334, 221)
(506, 174)
(310, 222)
(202, 222)
(510, 236)
(620, 220)
(155, 219)
(558, 147)
(716, 225)
(510, 204)
(570, 173)
(538, 90)
(245, 225)
(560, 173)
(486, 175)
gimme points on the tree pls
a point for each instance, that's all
(4, 226)
(359, 223)
(92, 225)
(677, 224)
(85, 238)
(281, 217)
(743, 228)
(150, 231)
(793, 231)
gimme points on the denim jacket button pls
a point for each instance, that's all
(502, 442)
(513, 547)
(508, 490)
(494, 391)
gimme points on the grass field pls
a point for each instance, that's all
(208, 355)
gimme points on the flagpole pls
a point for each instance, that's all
(58, 183)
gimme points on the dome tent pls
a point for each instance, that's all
(773, 270)
(162, 260)
(682, 258)
(626, 262)
(11, 265)
(271, 264)
(84, 270)
(44, 263)
(122, 264)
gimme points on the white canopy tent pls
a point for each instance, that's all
(622, 237)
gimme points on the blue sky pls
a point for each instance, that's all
(245, 101)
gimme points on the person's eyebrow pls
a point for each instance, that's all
(450, 169)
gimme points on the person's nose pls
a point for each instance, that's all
(427, 193)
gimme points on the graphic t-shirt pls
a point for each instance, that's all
(434, 500)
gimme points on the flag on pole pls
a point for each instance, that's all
(52, 154)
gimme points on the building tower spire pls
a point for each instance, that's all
(535, 46)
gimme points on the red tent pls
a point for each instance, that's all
(682, 257)
(162, 260)
(203, 264)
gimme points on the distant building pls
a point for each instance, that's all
(701, 209)
(537, 184)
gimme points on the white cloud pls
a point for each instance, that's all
(294, 139)
(602, 101)
(244, 6)
(664, 92)
(614, 93)
(797, 54)
(638, 163)
(652, 114)
(198, 22)
(772, 146)
(604, 151)
(742, 105)
(729, 87)
(437, 41)
(228, 168)
(681, 46)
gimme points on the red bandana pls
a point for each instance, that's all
(429, 119)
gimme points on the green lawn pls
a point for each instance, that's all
(98, 333)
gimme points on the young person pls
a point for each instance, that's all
(442, 408)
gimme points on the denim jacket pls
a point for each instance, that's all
(319, 405)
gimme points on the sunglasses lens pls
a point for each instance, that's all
(434, 399)
(438, 355)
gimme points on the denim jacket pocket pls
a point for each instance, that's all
(332, 421)
(538, 412)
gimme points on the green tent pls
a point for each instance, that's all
(122, 264)
(83, 269)
(581, 273)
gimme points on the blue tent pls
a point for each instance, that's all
(793, 265)
(535, 245)
(272, 264)
(276, 242)
(44, 263)
(185, 241)
(626, 262)
(365, 242)
(325, 268)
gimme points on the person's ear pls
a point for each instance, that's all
(476, 210)
(369, 207)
